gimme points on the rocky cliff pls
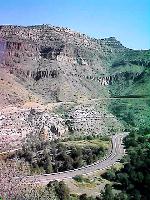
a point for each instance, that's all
(51, 64)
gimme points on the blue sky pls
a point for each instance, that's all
(127, 20)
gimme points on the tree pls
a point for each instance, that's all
(68, 163)
(121, 196)
(62, 191)
(107, 194)
(49, 168)
(110, 175)
(83, 197)
(123, 179)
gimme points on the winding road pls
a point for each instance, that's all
(115, 155)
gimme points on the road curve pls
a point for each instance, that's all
(115, 155)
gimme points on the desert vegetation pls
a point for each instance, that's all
(56, 156)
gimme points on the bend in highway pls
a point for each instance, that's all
(115, 155)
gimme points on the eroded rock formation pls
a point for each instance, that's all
(50, 60)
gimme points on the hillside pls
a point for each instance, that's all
(62, 97)
(52, 64)
(44, 65)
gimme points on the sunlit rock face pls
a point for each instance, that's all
(19, 125)
(52, 64)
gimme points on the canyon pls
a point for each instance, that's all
(59, 86)
(51, 64)
(44, 64)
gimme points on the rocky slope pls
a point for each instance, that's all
(46, 64)
(51, 64)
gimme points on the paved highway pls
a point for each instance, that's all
(115, 155)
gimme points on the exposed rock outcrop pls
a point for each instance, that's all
(58, 64)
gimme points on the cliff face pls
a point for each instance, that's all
(51, 64)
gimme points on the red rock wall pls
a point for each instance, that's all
(13, 53)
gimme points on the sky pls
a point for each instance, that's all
(127, 20)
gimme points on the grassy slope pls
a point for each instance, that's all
(89, 143)
(135, 112)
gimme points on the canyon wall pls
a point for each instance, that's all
(58, 64)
